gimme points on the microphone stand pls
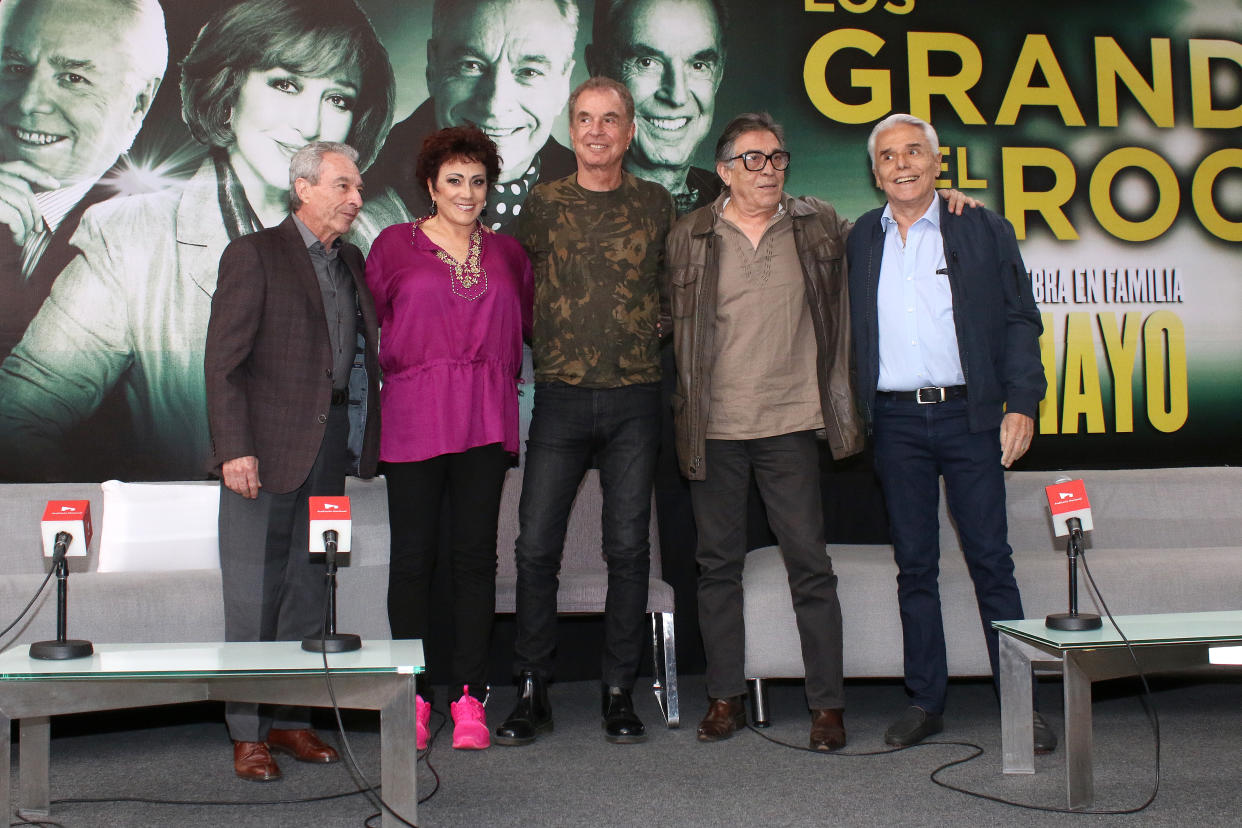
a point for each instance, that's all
(62, 647)
(1073, 620)
(331, 641)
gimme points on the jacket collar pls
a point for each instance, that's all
(705, 217)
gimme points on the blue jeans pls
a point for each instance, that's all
(618, 428)
(914, 445)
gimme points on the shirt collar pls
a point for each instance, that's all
(932, 214)
(718, 206)
(56, 204)
(310, 239)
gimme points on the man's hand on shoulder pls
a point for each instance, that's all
(1016, 432)
(18, 209)
(241, 475)
(958, 201)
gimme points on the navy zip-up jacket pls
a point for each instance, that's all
(994, 314)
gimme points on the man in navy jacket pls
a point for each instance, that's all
(949, 378)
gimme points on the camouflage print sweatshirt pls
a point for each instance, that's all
(598, 258)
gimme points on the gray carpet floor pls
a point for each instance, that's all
(572, 777)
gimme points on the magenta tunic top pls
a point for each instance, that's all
(450, 344)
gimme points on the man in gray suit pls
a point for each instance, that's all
(289, 305)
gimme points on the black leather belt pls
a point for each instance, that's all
(340, 397)
(926, 396)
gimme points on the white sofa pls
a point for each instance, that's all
(1165, 540)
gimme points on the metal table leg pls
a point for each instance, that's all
(1079, 779)
(33, 766)
(1017, 707)
(5, 762)
(399, 757)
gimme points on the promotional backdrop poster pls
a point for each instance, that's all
(1106, 132)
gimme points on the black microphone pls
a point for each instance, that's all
(1071, 515)
(61, 547)
(330, 540)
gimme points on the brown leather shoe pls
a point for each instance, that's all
(723, 717)
(253, 761)
(303, 745)
(828, 729)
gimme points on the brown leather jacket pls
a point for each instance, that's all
(693, 274)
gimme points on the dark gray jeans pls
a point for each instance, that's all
(787, 470)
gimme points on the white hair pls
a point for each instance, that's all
(897, 119)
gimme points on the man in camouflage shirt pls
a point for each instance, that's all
(596, 240)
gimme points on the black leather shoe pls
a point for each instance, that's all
(531, 715)
(913, 726)
(1045, 736)
(621, 724)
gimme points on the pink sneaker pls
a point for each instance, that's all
(422, 722)
(469, 723)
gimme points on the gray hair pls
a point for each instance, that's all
(568, 10)
(144, 29)
(604, 21)
(600, 82)
(746, 122)
(897, 119)
(307, 161)
(149, 30)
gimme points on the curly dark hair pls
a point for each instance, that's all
(467, 142)
(309, 37)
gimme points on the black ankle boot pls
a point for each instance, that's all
(531, 715)
(621, 724)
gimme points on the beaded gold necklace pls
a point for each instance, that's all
(467, 279)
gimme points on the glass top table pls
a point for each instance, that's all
(1160, 642)
(1141, 630)
(249, 658)
(380, 676)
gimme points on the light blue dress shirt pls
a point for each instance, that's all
(918, 341)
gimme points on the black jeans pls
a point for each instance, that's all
(620, 429)
(787, 470)
(472, 480)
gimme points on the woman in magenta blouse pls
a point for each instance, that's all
(454, 301)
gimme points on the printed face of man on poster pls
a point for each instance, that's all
(670, 53)
(503, 65)
(77, 77)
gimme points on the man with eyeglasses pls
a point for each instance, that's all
(761, 332)
(760, 327)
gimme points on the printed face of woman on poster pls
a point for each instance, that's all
(277, 113)
(266, 77)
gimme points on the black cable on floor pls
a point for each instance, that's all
(370, 791)
(1145, 699)
(37, 821)
(367, 789)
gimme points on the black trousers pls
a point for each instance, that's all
(472, 481)
(620, 429)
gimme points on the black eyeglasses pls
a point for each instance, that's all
(756, 160)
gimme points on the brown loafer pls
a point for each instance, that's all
(252, 761)
(303, 745)
(828, 729)
(724, 716)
